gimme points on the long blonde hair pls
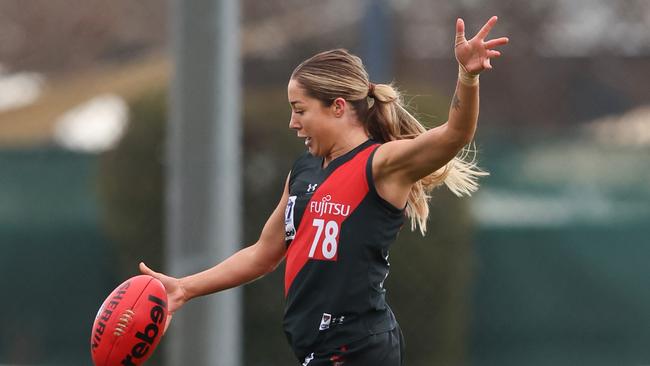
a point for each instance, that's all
(338, 73)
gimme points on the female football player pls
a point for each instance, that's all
(369, 164)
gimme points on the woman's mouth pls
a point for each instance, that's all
(307, 141)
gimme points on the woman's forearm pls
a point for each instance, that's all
(240, 268)
(463, 112)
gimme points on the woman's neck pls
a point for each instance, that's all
(346, 143)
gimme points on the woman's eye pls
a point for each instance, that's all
(298, 112)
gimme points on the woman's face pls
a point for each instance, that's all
(311, 120)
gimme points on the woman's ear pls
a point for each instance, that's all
(339, 106)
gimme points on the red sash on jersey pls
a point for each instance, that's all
(336, 198)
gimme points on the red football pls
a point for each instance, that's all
(130, 323)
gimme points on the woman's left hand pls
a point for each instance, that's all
(474, 55)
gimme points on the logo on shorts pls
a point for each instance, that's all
(311, 188)
(308, 359)
(325, 321)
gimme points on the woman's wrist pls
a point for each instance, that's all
(183, 287)
(465, 77)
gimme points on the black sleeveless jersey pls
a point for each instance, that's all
(338, 232)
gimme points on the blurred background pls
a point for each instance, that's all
(546, 265)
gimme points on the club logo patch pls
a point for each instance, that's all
(289, 227)
(325, 321)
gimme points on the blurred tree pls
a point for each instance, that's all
(131, 184)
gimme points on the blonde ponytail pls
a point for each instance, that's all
(389, 120)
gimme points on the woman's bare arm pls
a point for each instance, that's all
(242, 267)
(399, 164)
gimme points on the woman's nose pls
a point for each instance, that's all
(293, 124)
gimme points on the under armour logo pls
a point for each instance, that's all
(308, 359)
(311, 188)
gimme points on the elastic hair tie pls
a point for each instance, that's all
(371, 90)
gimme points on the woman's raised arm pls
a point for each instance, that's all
(403, 162)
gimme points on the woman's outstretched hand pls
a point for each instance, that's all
(176, 295)
(474, 55)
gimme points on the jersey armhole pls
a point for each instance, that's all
(373, 190)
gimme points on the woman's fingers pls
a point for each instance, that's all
(166, 280)
(146, 270)
(493, 53)
(486, 64)
(487, 28)
(460, 32)
(496, 42)
(475, 54)
(174, 303)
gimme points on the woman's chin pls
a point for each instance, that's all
(312, 150)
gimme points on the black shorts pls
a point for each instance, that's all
(383, 349)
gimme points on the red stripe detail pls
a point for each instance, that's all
(346, 186)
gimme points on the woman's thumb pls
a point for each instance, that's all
(146, 270)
